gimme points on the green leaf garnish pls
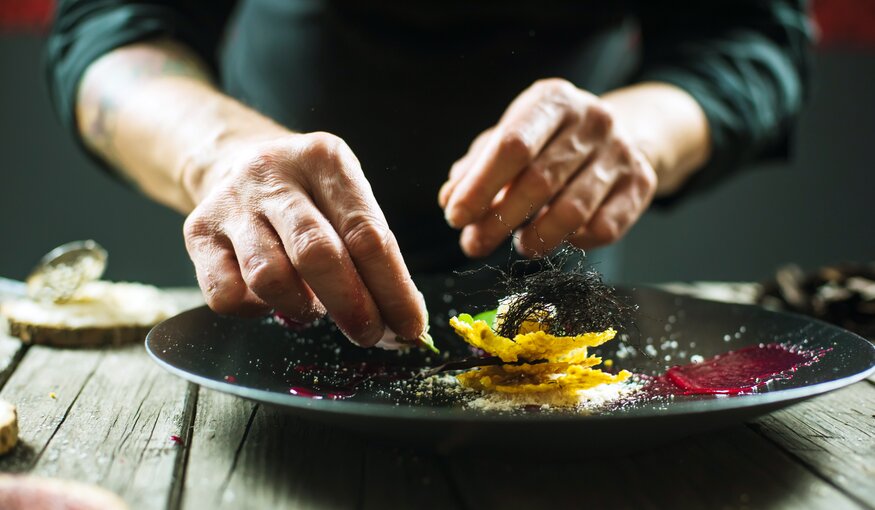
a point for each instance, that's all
(425, 340)
(464, 317)
(488, 317)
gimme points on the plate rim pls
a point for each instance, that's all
(458, 415)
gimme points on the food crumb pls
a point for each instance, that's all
(53, 395)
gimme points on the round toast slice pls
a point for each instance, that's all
(103, 313)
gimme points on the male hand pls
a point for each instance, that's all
(556, 167)
(292, 224)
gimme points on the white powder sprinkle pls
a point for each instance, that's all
(589, 400)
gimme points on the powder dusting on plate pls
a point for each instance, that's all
(589, 400)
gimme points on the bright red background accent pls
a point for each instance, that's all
(840, 22)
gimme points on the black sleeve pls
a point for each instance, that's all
(84, 30)
(744, 61)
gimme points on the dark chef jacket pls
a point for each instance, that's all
(408, 84)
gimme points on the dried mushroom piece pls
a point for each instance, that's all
(843, 294)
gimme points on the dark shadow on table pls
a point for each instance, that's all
(295, 460)
(20, 460)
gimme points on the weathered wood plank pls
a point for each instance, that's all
(118, 433)
(245, 455)
(221, 424)
(251, 456)
(110, 422)
(11, 353)
(735, 468)
(834, 435)
(44, 371)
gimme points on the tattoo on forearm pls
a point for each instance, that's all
(115, 78)
(99, 133)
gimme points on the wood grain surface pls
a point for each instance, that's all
(111, 417)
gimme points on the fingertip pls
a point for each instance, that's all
(365, 334)
(471, 242)
(457, 216)
(409, 317)
(519, 246)
(528, 244)
(444, 193)
(371, 338)
(415, 326)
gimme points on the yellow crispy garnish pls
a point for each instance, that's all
(563, 365)
(496, 378)
(532, 345)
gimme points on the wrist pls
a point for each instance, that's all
(667, 125)
(208, 163)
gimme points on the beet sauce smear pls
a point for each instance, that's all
(735, 372)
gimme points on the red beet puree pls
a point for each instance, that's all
(740, 371)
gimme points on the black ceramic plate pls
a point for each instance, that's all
(261, 360)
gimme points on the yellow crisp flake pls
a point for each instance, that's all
(532, 345)
(480, 335)
(574, 379)
(564, 367)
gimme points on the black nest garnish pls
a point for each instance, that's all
(563, 293)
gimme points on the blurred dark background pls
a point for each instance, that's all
(816, 210)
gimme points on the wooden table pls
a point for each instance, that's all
(109, 417)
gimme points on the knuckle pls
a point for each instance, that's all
(326, 146)
(481, 138)
(553, 84)
(517, 145)
(287, 202)
(221, 300)
(622, 151)
(540, 183)
(599, 118)
(264, 161)
(573, 213)
(605, 231)
(367, 238)
(197, 225)
(457, 168)
(647, 178)
(263, 277)
(314, 250)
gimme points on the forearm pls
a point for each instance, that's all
(151, 111)
(667, 125)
